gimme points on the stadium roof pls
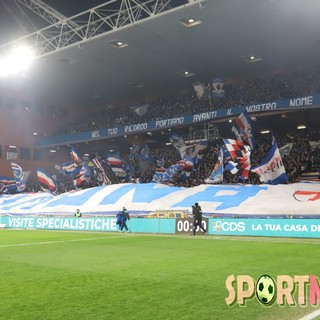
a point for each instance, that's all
(280, 34)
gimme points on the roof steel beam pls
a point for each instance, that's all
(96, 22)
(43, 10)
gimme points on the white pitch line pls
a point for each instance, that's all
(52, 242)
(311, 316)
(200, 237)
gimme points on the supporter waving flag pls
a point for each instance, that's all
(46, 181)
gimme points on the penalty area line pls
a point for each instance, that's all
(311, 316)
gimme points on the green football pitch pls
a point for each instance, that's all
(77, 275)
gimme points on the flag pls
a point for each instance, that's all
(140, 110)
(168, 174)
(236, 133)
(74, 155)
(201, 91)
(177, 141)
(239, 158)
(194, 150)
(244, 164)
(243, 132)
(187, 166)
(271, 169)
(217, 172)
(134, 150)
(285, 150)
(83, 176)
(160, 162)
(105, 179)
(18, 176)
(158, 176)
(46, 181)
(146, 154)
(234, 149)
(70, 168)
(117, 166)
(217, 88)
(7, 185)
(232, 167)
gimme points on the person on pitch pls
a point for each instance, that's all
(78, 213)
(125, 217)
(197, 216)
(119, 220)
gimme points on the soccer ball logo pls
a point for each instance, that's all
(265, 289)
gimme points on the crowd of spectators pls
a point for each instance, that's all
(303, 157)
(279, 86)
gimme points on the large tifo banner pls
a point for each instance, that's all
(304, 102)
(298, 199)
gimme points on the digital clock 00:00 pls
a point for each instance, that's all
(186, 225)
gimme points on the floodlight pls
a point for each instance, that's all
(17, 61)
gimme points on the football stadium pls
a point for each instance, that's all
(160, 159)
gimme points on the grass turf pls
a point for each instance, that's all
(76, 275)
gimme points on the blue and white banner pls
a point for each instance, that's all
(271, 169)
(298, 199)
